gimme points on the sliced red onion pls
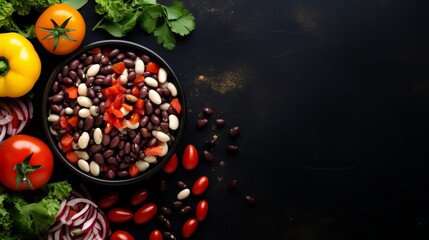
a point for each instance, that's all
(88, 222)
(19, 108)
(6, 119)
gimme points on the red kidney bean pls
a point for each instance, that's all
(145, 213)
(181, 185)
(139, 197)
(201, 210)
(200, 185)
(202, 122)
(155, 235)
(185, 209)
(220, 122)
(119, 215)
(108, 200)
(208, 112)
(233, 132)
(232, 148)
(169, 235)
(190, 157)
(177, 204)
(208, 156)
(189, 227)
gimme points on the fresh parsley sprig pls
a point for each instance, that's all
(163, 21)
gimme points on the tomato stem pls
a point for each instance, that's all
(4, 66)
(59, 31)
(23, 170)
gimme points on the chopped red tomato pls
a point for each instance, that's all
(152, 67)
(118, 67)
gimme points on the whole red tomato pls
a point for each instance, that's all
(121, 235)
(29, 158)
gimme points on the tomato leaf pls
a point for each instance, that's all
(77, 4)
(165, 36)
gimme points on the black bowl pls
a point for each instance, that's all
(54, 143)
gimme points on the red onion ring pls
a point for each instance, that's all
(14, 111)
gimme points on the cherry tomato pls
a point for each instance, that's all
(119, 215)
(121, 235)
(155, 235)
(201, 210)
(145, 213)
(138, 197)
(66, 34)
(108, 200)
(200, 185)
(29, 158)
(190, 157)
(171, 165)
(189, 228)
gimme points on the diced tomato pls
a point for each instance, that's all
(72, 157)
(73, 121)
(138, 79)
(119, 99)
(135, 91)
(64, 122)
(118, 67)
(133, 170)
(135, 118)
(66, 142)
(153, 151)
(106, 51)
(139, 104)
(152, 67)
(72, 92)
(118, 113)
(95, 51)
(118, 123)
(127, 107)
(176, 105)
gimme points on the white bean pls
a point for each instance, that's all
(83, 140)
(123, 79)
(53, 131)
(132, 126)
(53, 118)
(82, 89)
(172, 88)
(84, 101)
(139, 66)
(151, 82)
(164, 106)
(173, 122)
(94, 168)
(83, 165)
(155, 97)
(142, 165)
(94, 110)
(82, 154)
(98, 136)
(84, 113)
(183, 194)
(162, 75)
(93, 70)
(161, 136)
(164, 149)
(68, 110)
(150, 159)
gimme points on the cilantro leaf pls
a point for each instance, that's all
(183, 25)
(165, 36)
(174, 10)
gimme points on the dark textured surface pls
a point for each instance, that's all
(332, 101)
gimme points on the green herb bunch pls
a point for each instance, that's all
(164, 22)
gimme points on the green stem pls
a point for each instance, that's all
(23, 170)
(4, 66)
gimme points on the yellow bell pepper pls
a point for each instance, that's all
(20, 65)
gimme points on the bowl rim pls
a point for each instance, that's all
(142, 50)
